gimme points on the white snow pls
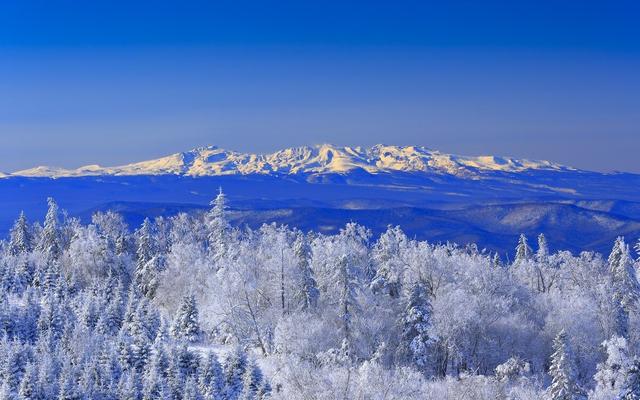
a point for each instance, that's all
(320, 159)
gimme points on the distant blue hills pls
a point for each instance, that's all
(440, 197)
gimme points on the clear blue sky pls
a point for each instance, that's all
(111, 82)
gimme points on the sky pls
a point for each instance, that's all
(112, 82)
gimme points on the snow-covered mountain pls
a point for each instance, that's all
(321, 159)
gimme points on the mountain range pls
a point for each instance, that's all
(432, 195)
(322, 159)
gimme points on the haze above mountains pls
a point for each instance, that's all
(432, 195)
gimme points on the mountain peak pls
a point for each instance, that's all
(311, 160)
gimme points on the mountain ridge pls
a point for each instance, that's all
(307, 160)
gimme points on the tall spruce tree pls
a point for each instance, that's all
(625, 284)
(146, 270)
(308, 292)
(50, 240)
(523, 250)
(20, 241)
(217, 226)
(415, 340)
(562, 371)
(185, 324)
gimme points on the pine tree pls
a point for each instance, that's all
(20, 236)
(252, 381)
(623, 273)
(625, 284)
(415, 341)
(52, 282)
(308, 292)
(562, 371)
(69, 389)
(496, 262)
(218, 227)
(110, 321)
(152, 389)
(140, 352)
(146, 269)
(387, 277)
(27, 389)
(191, 391)
(523, 251)
(234, 369)
(185, 324)
(211, 379)
(50, 240)
(542, 254)
(129, 387)
(348, 303)
(23, 276)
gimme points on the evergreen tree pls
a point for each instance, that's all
(542, 254)
(562, 371)
(385, 252)
(496, 262)
(153, 387)
(218, 227)
(252, 382)
(523, 251)
(50, 239)
(234, 369)
(129, 387)
(23, 275)
(28, 389)
(69, 388)
(20, 236)
(111, 319)
(185, 324)
(348, 303)
(211, 379)
(625, 284)
(415, 340)
(191, 391)
(146, 270)
(308, 292)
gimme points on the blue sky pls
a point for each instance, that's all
(114, 82)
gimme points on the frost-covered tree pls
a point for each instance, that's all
(185, 324)
(386, 253)
(235, 367)
(308, 292)
(415, 339)
(49, 243)
(348, 302)
(20, 241)
(218, 227)
(562, 370)
(523, 250)
(625, 283)
(542, 254)
(611, 377)
(146, 271)
(211, 379)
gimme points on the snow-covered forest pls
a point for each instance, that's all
(189, 307)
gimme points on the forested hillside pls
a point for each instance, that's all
(189, 307)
